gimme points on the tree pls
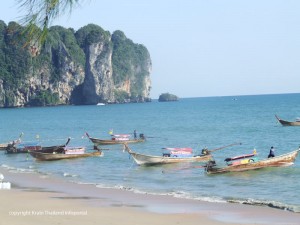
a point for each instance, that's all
(39, 16)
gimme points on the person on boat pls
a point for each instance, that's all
(134, 134)
(272, 152)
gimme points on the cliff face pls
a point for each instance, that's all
(98, 74)
(131, 68)
(83, 67)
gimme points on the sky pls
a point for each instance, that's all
(202, 48)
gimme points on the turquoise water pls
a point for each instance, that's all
(196, 122)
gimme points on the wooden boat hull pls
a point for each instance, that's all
(58, 156)
(148, 160)
(287, 123)
(97, 141)
(278, 161)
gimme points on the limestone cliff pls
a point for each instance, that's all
(83, 67)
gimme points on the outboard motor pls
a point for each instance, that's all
(210, 165)
(142, 136)
(205, 151)
(11, 148)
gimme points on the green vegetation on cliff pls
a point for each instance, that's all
(91, 34)
(128, 63)
(14, 62)
(121, 96)
(44, 98)
(60, 46)
(14, 59)
(59, 35)
(55, 73)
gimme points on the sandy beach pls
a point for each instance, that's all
(39, 199)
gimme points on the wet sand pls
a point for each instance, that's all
(38, 199)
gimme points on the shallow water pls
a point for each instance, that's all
(196, 122)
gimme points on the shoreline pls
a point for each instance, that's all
(46, 196)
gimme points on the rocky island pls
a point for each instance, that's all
(166, 97)
(80, 67)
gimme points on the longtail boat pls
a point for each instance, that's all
(250, 162)
(3, 146)
(17, 147)
(288, 123)
(175, 155)
(69, 153)
(14, 148)
(116, 139)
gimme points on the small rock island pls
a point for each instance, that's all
(167, 97)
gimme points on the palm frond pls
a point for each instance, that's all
(39, 16)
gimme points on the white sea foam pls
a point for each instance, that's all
(69, 175)
(27, 170)
(272, 204)
(177, 194)
(22, 170)
(84, 183)
(7, 167)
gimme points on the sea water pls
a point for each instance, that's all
(211, 122)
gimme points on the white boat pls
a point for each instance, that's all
(178, 155)
(116, 139)
(100, 103)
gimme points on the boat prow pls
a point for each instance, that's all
(287, 123)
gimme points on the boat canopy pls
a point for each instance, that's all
(73, 147)
(179, 150)
(120, 137)
(74, 150)
(30, 146)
